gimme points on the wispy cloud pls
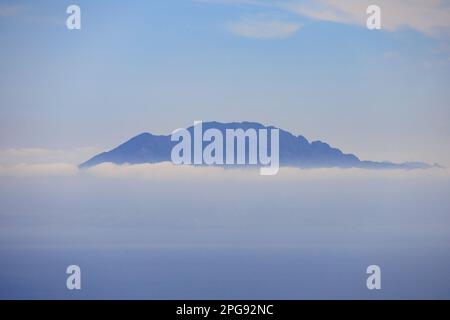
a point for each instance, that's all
(30, 15)
(7, 10)
(429, 17)
(425, 16)
(258, 28)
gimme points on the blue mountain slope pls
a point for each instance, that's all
(295, 151)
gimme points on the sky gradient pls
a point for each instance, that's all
(153, 66)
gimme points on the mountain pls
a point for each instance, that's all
(295, 151)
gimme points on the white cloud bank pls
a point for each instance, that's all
(39, 170)
(166, 171)
(39, 162)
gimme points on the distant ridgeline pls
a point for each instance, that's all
(194, 145)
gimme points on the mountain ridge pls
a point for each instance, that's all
(294, 151)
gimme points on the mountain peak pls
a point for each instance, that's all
(295, 151)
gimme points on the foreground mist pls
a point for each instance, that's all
(225, 237)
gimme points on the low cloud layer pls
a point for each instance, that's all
(14, 156)
(39, 162)
(39, 170)
(166, 171)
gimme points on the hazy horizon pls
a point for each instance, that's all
(160, 231)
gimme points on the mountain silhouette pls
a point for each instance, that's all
(295, 151)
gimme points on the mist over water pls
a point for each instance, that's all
(225, 238)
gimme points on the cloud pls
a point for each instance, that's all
(168, 171)
(425, 16)
(429, 17)
(258, 28)
(40, 162)
(39, 170)
(9, 10)
(28, 14)
(235, 2)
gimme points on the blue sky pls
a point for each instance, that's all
(309, 67)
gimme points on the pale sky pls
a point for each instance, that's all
(310, 67)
